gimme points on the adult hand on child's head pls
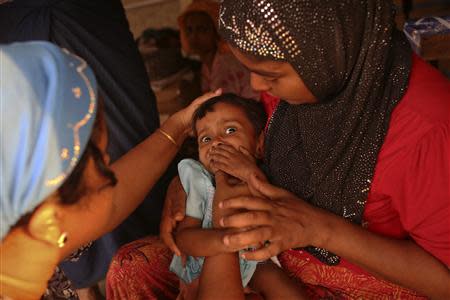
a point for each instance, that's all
(173, 212)
(184, 116)
(279, 217)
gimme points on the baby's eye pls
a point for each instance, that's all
(230, 130)
(205, 139)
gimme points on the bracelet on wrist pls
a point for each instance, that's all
(169, 137)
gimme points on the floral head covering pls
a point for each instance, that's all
(48, 104)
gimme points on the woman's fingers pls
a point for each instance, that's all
(198, 101)
(265, 188)
(242, 240)
(185, 115)
(165, 233)
(166, 229)
(173, 212)
(247, 202)
(178, 208)
(263, 253)
(176, 196)
(247, 218)
(207, 96)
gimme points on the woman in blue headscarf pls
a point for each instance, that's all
(57, 191)
(98, 32)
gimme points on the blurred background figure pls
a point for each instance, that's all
(175, 80)
(199, 38)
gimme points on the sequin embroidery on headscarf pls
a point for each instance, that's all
(356, 63)
(48, 102)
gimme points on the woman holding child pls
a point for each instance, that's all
(356, 152)
(363, 177)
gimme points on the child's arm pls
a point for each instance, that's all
(221, 276)
(193, 240)
(190, 238)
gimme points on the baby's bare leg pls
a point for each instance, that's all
(271, 282)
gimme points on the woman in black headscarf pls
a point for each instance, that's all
(358, 147)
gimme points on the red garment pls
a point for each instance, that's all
(228, 73)
(140, 270)
(410, 192)
(409, 197)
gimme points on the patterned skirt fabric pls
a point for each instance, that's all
(335, 282)
(140, 270)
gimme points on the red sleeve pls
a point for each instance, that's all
(410, 191)
(424, 205)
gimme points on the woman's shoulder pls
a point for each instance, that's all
(418, 135)
(428, 94)
(409, 192)
(424, 108)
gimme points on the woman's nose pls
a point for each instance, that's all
(258, 83)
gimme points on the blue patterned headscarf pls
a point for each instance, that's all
(48, 102)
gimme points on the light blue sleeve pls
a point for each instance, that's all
(195, 181)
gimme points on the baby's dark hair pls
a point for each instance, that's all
(254, 110)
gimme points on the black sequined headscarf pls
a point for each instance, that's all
(356, 63)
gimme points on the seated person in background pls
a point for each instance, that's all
(146, 42)
(152, 39)
(175, 80)
(161, 51)
(199, 37)
(237, 124)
